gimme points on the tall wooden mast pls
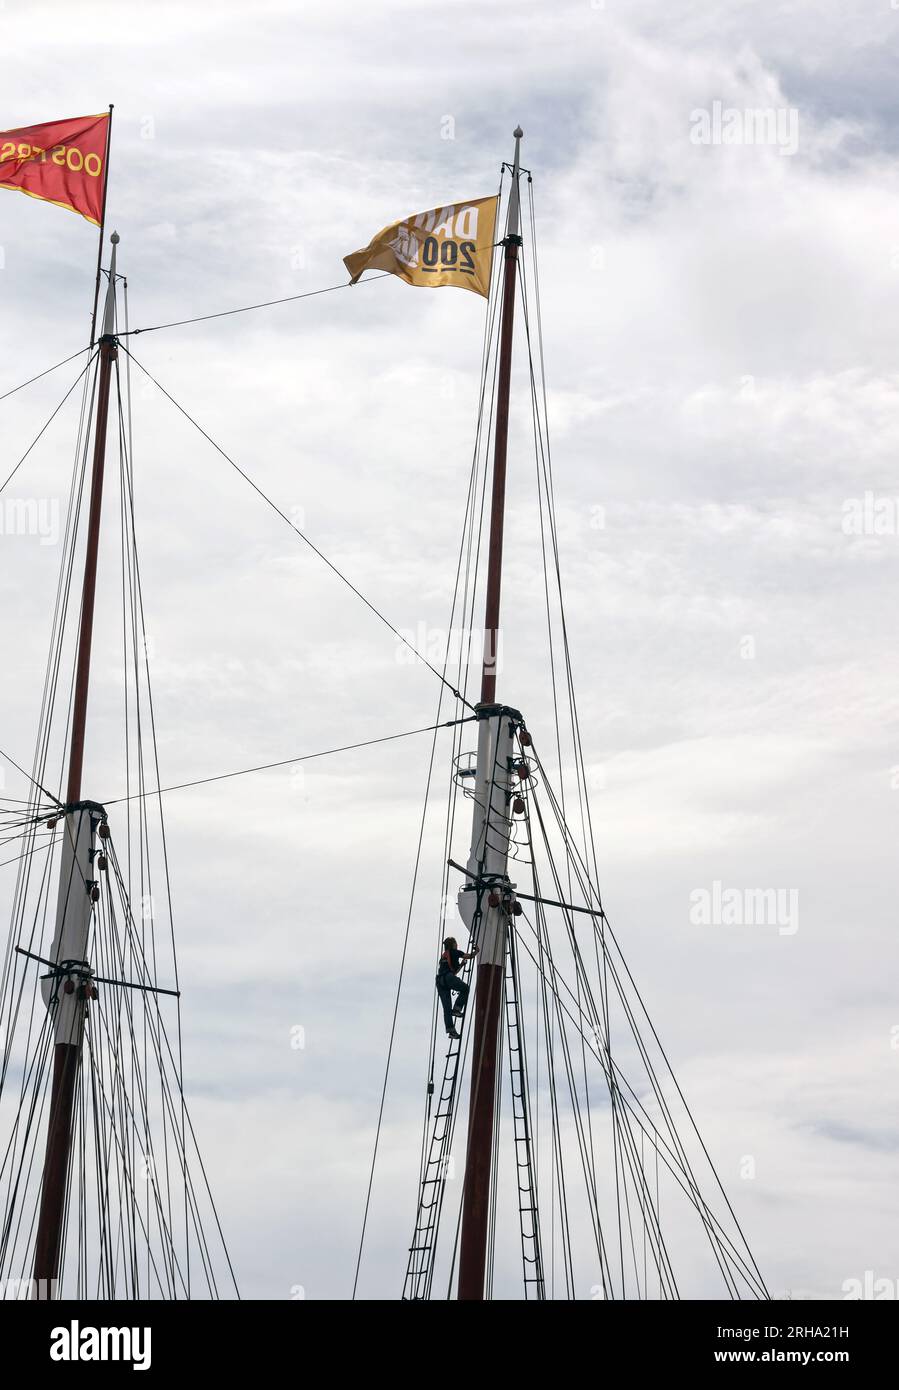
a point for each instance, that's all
(501, 439)
(482, 907)
(67, 992)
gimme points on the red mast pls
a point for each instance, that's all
(494, 754)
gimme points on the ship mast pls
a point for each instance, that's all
(484, 898)
(68, 989)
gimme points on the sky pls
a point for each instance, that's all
(718, 299)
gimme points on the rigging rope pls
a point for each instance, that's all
(29, 778)
(247, 308)
(49, 422)
(285, 762)
(303, 537)
(46, 372)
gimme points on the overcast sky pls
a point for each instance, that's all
(723, 388)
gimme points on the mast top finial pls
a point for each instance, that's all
(512, 226)
(109, 313)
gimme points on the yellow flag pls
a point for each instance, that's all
(452, 245)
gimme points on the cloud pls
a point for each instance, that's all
(718, 336)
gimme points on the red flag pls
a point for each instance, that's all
(61, 162)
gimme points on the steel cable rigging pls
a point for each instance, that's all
(296, 529)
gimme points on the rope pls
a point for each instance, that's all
(29, 778)
(248, 308)
(49, 422)
(44, 373)
(285, 762)
(303, 537)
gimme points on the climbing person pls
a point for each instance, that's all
(448, 983)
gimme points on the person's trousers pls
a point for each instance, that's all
(447, 986)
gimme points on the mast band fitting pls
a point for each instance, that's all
(488, 712)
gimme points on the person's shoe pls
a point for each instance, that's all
(451, 1033)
